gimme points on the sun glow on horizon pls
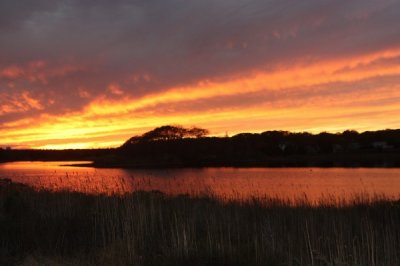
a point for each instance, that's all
(322, 96)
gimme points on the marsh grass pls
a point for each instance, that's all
(150, 228)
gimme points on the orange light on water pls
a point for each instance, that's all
(309, 184)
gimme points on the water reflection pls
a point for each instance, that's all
(239, 183)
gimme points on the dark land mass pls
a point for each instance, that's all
(11, 155)
(150, 228)
(175, 146)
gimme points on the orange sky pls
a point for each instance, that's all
(289, 80)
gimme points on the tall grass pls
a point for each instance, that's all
(150, 228)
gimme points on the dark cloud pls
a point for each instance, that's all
(147, 46)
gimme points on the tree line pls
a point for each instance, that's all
(177, 146)
(269, 148)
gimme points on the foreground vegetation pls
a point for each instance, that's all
(149, 228)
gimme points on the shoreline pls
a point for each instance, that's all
(280, 164)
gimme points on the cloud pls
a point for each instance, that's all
(20, 103)
(141, 58)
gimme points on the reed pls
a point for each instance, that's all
(150, 228)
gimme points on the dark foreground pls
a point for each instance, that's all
(150, 228)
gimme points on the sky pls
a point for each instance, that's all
(90, 74)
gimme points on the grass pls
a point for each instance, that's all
(150, 228)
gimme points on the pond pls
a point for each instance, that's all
(225, 183)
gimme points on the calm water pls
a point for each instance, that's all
(222, 182)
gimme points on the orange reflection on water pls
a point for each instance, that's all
(56, 177)
(224, 183)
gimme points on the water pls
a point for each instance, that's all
(227, 183)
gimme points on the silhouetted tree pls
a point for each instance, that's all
(169, 132)
(197, 132)
(133, 140)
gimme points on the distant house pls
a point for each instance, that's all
(311, 149)
(337, 148)
(383, 145)
(355, 146)
(283, 146)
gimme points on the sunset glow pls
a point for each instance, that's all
(245, 71)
